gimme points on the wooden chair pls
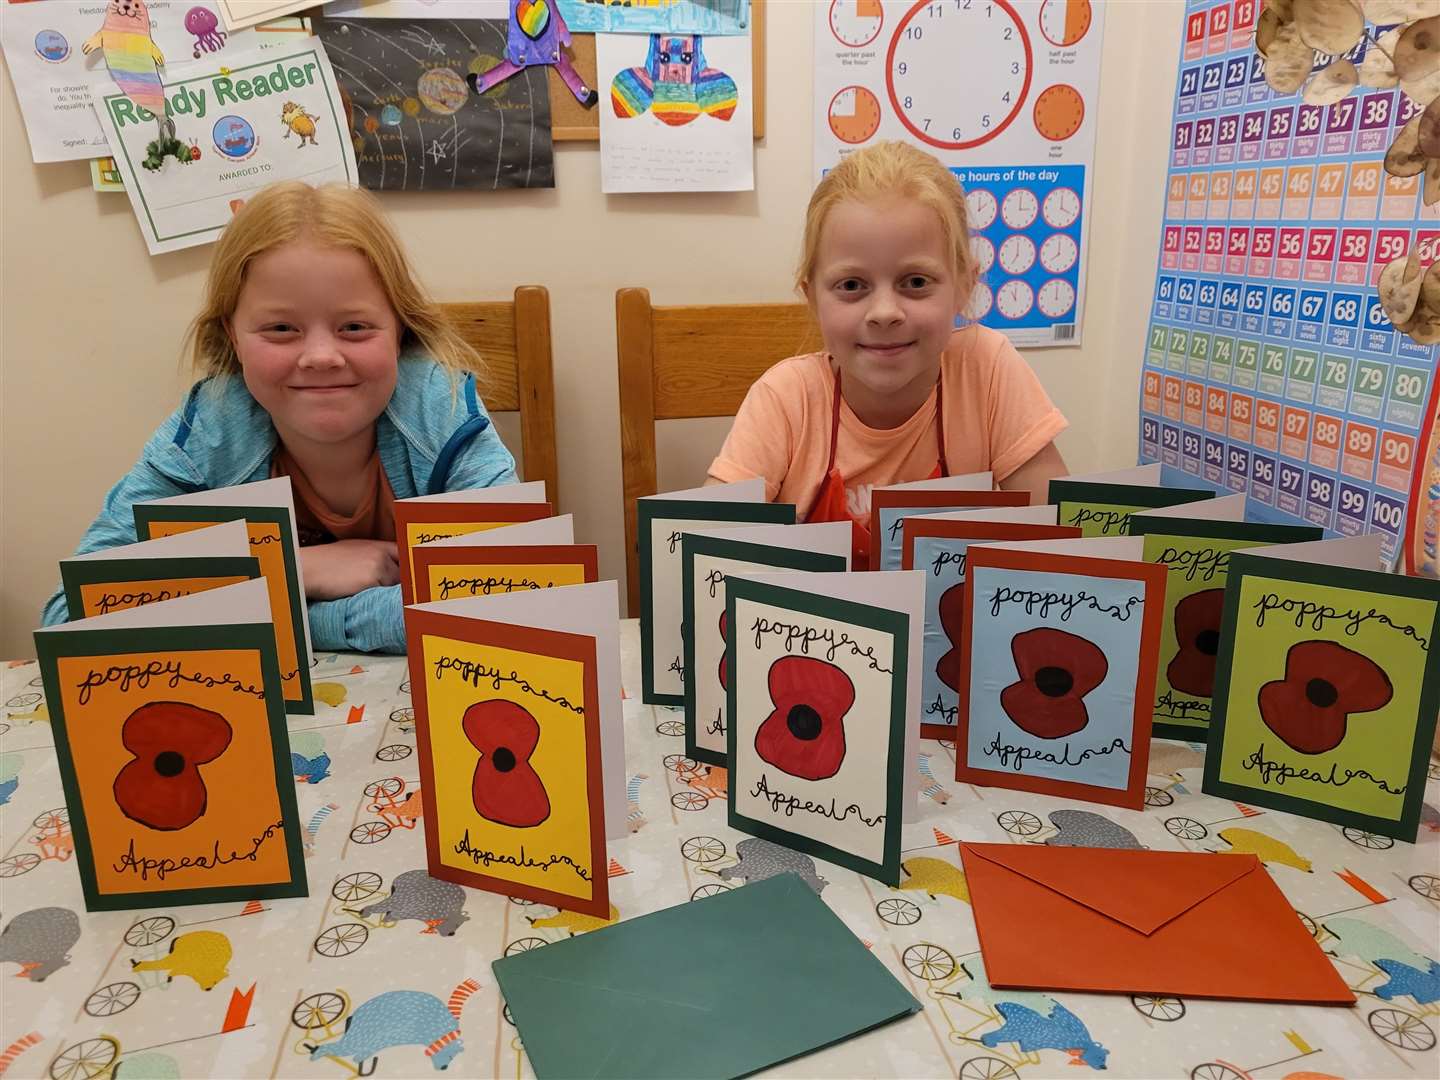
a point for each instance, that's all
(513, 340)
(678, 363)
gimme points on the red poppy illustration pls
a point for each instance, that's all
(1057, 669)
(724, 655)
(1324, 684)
(162, 787)
(952, 621)
(506, 789)
(1197, 629)
(805, 734)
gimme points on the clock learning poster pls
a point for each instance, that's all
(1004, 93)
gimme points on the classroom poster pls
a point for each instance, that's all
(1271, 367)
(657, 16)
(414, 120)
(248, 120)
(676, 112)
(51, 73)
(1004, 92)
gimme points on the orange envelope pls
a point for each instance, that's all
(1142, 922)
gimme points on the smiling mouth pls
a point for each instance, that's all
(324, 389)
(890, 348)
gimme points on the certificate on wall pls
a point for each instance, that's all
(244, 121)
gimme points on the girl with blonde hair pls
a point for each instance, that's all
(899, 393)
(322, 360)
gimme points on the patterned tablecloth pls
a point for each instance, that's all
(248, 990)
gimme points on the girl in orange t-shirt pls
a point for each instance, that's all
(899, 394)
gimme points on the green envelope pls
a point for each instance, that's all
(719, 987)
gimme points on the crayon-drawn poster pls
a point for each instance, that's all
(416, 124)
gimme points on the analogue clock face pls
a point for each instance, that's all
(1058, 252)
(1064, 22)
(1019, 208)
(982, 209)
(1014, 300)
(1062, 207)
(1056, 298)
(856, 23)
(953, 105)
(1059, 112)
(854, 114)
(983, 252)
(981, 301)
(1017, 254)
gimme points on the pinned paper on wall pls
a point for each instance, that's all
(657, 16)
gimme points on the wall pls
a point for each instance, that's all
(90, 325)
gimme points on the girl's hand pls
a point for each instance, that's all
(346, 567)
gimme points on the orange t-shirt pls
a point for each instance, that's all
(997, 417)
(317, 523)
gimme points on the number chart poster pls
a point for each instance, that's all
(1271, 368)
(1004, 93)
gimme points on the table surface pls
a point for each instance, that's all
(308, 963)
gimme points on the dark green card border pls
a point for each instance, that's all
(1243, 566)
(145, 513)
(54, 645)
(897, 626)
(1256, 532)
(646, 511)
(717, 547)
(75, 573)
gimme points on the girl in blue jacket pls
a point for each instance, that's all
(321, 360)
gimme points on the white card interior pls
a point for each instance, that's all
(1130, 548)
(752, 490)
(1362, 552)
(1044, 514)
(532, 492)
(822, 537)
(551, 530)
(227, 539)
(980, 481)
(1135, 476)
(230, 605)
(893, 590)
(1225, 508)
(592, 611)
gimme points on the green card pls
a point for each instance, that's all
(782, 977)
(173, 752)
(1197, 552)
(706, 561)
(661, 521)
(1325, 690)
(823, 713)
(1102, 509)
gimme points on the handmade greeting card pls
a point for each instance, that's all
(936, 544)
(532, 555)
(117, 578)
(707, 558)
(170, 736)
(1101, 504)
(268, 509)
(427, 518)
(521, 740)
(822, 695)
(1195, 541)
(662, 520)
(1057, 668)
(890, 506)
(1325, 689)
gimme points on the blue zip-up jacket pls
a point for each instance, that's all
(434, 436)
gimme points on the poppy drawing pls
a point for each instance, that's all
(506, 789)
(1197, 629)
(952, 621)
(1324, 685)
(161, 787)
(804, 735)
(1057, 669)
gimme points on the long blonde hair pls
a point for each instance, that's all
(892, 170)
(335, 215)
